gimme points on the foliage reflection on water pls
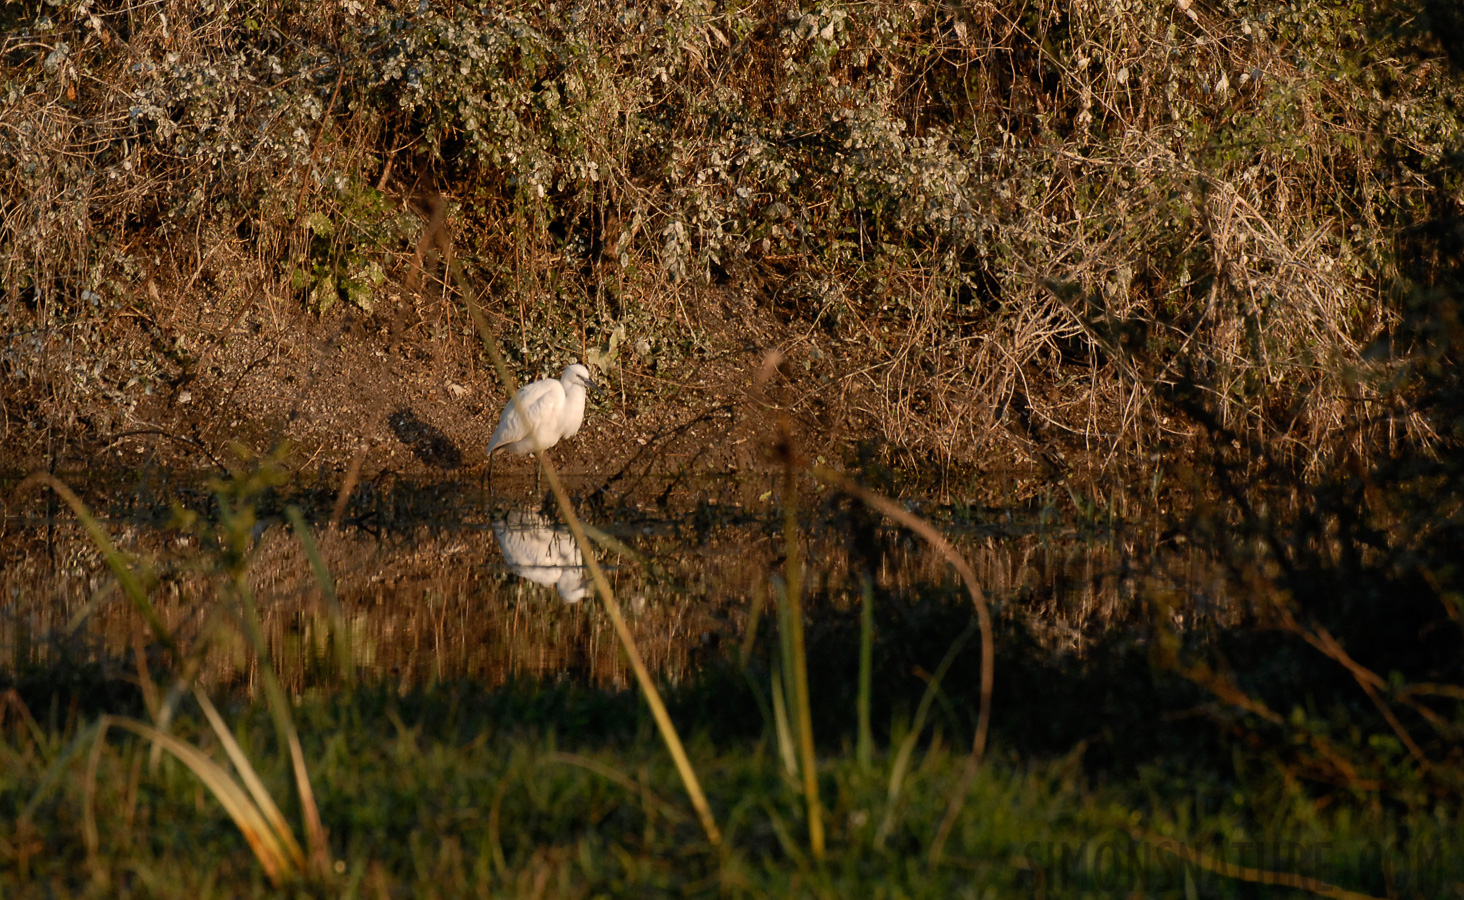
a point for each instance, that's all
(446, 584)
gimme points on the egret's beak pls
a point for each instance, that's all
(592, 387)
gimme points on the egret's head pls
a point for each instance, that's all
(578, 374)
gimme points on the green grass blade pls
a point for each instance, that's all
(279, 710)
(864, 749)
(131, 585)
(907, 747)
(754, 614)
(799, 671)
(89, 833)
(648, 798)
(52, 776)
(785, 656)
(787, 747)
(342, 638)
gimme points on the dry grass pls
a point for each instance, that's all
(989, 233)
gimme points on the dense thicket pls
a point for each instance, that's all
(1023, 222)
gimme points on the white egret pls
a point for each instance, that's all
(541, 414)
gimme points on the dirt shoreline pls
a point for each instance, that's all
(409, 389)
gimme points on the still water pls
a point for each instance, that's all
(447, 579)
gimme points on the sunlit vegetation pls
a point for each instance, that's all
(1006, 230)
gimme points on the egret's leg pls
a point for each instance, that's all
(492, 490)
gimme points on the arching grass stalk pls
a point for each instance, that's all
(597, 576)
(983, 615)
(249, 805)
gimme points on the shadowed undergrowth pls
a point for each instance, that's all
(556, 791)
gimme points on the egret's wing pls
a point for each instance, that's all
(510, 428)
(537, 402)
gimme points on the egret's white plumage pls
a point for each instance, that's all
(543, 413)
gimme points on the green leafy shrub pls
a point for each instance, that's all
(986, 208)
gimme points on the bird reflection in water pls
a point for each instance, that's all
(536, 550)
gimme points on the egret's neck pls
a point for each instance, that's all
(574, 408)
